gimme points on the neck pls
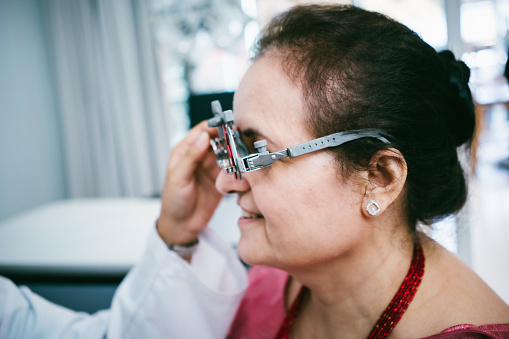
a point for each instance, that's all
(349, 294)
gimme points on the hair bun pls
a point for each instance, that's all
(462, 115)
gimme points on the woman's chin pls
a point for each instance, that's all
(249, 252)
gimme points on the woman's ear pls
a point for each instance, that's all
(385, 180)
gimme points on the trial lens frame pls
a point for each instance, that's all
(233, 156)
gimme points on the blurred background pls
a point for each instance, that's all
(94, 94)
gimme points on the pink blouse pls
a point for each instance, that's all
(262, 311)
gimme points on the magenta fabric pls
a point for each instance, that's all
(262, 311)
(466, 331)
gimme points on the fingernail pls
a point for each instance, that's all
(202, 141)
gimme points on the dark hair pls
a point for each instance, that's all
(361, 69)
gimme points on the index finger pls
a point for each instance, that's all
(189, 140)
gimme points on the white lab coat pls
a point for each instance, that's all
(161, 297)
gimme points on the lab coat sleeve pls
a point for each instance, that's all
(24, 314)
(163, 296)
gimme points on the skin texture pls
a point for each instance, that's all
(302, 216)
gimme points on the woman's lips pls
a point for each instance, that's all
(250, 215)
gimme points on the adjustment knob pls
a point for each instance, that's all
(260, 146)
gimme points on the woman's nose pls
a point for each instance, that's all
(229, 183)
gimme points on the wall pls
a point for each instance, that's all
(31, 164)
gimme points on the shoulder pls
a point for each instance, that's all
(451, 294)
(471, 331)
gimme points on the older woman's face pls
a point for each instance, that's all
(298, 211)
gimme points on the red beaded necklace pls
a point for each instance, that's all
(392, 313)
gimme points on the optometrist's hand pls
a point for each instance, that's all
(189, 196)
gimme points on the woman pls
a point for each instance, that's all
(333, 235)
